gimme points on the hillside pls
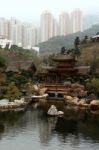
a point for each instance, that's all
(54, 44)
(90, 54)
(19, 55)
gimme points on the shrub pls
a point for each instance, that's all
(93, 86)
(2, 78)
(2, 62)
(12, 91)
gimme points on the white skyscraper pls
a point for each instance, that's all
(38, 37)
(17, 39)
(55, 28)
(15, 31)
(47, 26)
(29, 34)
(32, 36)
(64, 24)
(76, 21)
(25, 34)
(11, 29)
(3, 28)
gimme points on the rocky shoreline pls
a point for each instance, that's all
(93, 104)
(16, 105)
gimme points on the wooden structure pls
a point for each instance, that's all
(16, 66)
(55, 92)
(63, 64)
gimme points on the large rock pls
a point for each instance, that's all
(36, 88)
(75, 100)
(4, 102)
(94, 102)
(52, 111)
(82, 102)
(42, 91)
(67, 97)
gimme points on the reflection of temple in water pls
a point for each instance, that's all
(46, 129)
(43, 131)
(2, 129)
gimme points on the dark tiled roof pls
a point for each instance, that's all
(63, 57)
(15, 66)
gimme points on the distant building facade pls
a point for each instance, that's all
(49, 27)
(3, 28)
(64, 24)
(29, 34)
(26, 35)
(76, 21)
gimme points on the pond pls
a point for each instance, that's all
(33, 129)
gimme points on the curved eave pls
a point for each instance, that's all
(64, 60)
(63, 70)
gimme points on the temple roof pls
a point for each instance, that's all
(15, 66)
(63, 57)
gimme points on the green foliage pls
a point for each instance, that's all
(12, 91)
(3, 78)
(20, 79)
(93, 85)
(54, 44)
(26, 53)
(2, 62)
(76, 41)
(76, 52)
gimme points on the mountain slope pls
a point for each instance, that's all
(54, 44)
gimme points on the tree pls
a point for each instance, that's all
(12, 91)
(93, 86)
(77, 47)
(63, 49)
(77, 41)
(2, 62)
(85, 40)
(94, 62)
(3, 78)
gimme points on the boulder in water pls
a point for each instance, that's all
(54, 112)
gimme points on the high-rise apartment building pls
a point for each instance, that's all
(55, 28)
(3, 28)
(15, 31)
(29, 35)
(64, 24)
(17, 35)
(26, 35)
(76, 21)
(47, 26)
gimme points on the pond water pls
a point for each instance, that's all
(33, 129)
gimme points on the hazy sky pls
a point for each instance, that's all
(30, 10)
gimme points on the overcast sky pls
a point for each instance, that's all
(30, 10)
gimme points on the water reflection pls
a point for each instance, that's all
(76, 124)
(78, 128)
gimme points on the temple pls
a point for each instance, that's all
(63, 65)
